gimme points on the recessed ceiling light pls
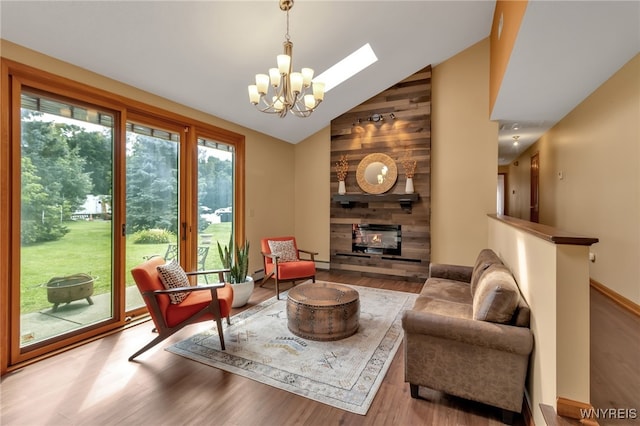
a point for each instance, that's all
(347, 67)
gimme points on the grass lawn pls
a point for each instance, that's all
(87, 248)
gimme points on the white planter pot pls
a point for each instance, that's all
(242, 293)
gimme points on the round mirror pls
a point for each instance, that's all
(376, 173)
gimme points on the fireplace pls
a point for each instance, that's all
(377, 239)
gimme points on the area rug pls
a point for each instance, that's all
(345, 374)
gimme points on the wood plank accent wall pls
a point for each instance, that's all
(410, 132)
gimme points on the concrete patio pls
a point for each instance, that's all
(45, 323)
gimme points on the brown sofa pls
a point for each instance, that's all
(468, 334)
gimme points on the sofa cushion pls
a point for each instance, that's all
(446, 308)
(496, 296)
(446, 289)
(486, 258)
(451, 272)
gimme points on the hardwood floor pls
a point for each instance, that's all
(615, 358)
(96, 385)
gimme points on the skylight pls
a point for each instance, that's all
(347, 67)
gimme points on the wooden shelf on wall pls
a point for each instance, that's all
(348, 200)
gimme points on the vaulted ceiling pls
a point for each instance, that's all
(203, 54)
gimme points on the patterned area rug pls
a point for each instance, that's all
(345, 374)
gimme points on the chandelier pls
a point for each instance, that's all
(290, 89)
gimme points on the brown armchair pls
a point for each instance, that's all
(199, 303)
(281, 257)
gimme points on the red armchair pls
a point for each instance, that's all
(200, 303)
(281, 257)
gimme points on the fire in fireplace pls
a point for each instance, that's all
(377, 239)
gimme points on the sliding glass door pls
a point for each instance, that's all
(152, 198)
(65, 227)
(215, 200)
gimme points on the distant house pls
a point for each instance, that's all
(94, 207)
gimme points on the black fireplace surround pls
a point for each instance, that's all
(377, 239)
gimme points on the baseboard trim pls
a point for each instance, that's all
(618, 299)
(568, 413)
(575, 410)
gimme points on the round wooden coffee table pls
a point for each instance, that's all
(323, 311)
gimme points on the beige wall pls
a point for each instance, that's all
(596, 147)
(464, 156)
(269, 189)
(270, 206)
(312, 194)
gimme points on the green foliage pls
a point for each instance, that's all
(152, 184)
(153, 236)
(54, 182)
(215, 182)
(59, 166)
(95, 149)
(40, 220)
(236, 259)
(63, 163)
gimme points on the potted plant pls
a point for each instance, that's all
(236, 259)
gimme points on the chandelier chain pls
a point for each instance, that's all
(286, 36)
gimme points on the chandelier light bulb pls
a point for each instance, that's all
(262, 82)
(284, 64)
(307, 76)
(278, 105)
(274, 76)
(254, 96)
(318, 91)
(296, 82)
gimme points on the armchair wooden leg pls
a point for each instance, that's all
(148, 346)
(265, 279)
(219, 324)
(277, 289)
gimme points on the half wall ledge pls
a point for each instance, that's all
(545, 232)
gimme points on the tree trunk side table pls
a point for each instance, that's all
(323, 311)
